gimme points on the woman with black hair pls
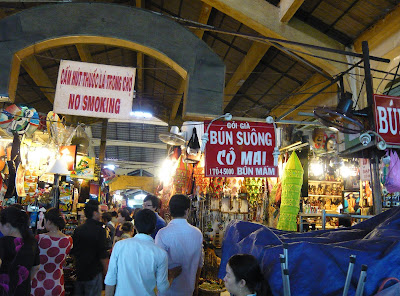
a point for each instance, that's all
(54, 246)
(127, 230)
(19, 253)
(244, 277)
(123, 216)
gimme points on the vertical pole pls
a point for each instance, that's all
(102, 152)
(349, 275)
(56, 197)
(375, 183)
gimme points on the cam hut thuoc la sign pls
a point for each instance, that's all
(240, 149)
(387, 118)
(94, 90)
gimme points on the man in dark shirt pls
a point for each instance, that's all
(152, 202)
(90, 252)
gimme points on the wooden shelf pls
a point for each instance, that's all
(329, 182)
(322, 195)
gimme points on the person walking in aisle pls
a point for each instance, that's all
(184, 245)
(54, 246)
(152, 202)
(90, 252)
(137, 266)
(19, 252)
(123, 216)
(127, 231)
(110, 229)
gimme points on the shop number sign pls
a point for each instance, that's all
(387, 118)
(240, 149)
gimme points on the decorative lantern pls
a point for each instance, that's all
(292, 180)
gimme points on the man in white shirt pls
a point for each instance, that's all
(184, 245)
(137, 265)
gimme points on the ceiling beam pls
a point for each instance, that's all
(203, 18)
(96, 142)
(246, 67)
(39, 76)
(384, 41)
(313, 85)
(177, 99)
(263, 17)
(381, 31)
(84, 53)
(140, 61)
(139, 72)
(287, 9)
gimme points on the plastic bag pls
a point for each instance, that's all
(392, 183)
(393, 290)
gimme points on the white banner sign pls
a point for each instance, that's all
(94, 90)
(365, 169)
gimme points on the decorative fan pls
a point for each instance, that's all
(341, 118)
(172, 138)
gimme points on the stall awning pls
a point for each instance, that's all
(130, 182)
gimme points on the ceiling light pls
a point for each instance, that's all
(140, 196)
(140, 114)
(316, 167)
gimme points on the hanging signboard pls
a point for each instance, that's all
(365, 169)
(387, 118)
(94, 90)
(240, 149)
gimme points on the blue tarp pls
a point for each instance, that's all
(318, 260)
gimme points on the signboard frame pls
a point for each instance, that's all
(94, 90)
(240, 149)
(383, 108)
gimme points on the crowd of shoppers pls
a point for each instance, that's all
(161, 259)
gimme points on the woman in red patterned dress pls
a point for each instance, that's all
(54, 247)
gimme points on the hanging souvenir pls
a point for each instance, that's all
(392, 183)
(12, 165)
(192, 152)
(3, 158)
(19, 119)
(19, 181)
(198, 174)
(55, 128)
(182, 179)
(292, 180)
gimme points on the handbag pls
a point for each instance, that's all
(393, 290)
(392, 183)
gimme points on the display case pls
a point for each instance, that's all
(323, 195)
(71, 222)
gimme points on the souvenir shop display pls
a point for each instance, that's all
(71, 222)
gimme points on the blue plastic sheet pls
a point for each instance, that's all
(318, 260)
